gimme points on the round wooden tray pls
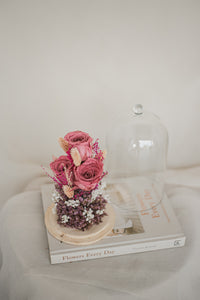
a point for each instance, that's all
(78, 237)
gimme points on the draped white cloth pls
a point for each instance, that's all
(26, 271)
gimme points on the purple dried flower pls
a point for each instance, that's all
(85, 214)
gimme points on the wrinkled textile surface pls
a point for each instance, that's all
(26, 272)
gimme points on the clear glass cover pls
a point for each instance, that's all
(136, 160)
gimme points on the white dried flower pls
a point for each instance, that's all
(65, 219)
(56, 197)
(100, 211)
(88, 214)
(95, 194)
(73, 203)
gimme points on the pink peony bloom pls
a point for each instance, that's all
(76, 138)
(60, 166)
(88, 174)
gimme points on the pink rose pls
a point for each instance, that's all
(60, 166)
(88, 174)
(76, 138)
(80, 153)
(61, 163)
(85, 151)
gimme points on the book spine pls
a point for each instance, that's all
(117, 250)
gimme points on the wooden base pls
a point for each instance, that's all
(78, 237)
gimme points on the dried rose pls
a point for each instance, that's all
(60, 166)
(76, 138)
(88, 174)
(80, 153)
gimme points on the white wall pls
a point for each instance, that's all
(67, 65)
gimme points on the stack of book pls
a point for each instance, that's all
(145, 227)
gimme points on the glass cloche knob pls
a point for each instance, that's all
(138, 109)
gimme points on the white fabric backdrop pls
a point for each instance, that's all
(76, 64)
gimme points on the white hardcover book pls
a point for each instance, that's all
(143, 229)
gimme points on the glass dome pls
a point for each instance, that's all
(136, 161)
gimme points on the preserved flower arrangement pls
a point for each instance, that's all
(79, 194)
